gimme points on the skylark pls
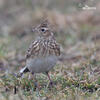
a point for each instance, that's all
(43, 52)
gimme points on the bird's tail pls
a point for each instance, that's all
(22, 71)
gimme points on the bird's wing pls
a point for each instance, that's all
(33, 49)
(37, 47)
(54, 48)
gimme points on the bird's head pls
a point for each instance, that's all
(43, 29)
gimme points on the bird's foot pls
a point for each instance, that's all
(36, 86)
(51, 84)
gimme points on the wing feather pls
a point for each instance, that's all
(54, 48)
(33, 48)
(42, 48)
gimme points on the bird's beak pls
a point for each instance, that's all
(34, 29)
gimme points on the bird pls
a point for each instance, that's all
(43, 53)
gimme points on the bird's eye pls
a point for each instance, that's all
(43, 30)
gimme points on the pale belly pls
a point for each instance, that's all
(39, 65)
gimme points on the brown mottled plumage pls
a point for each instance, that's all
(43, 53)
(45, 45)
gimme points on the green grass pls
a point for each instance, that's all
(63, 87)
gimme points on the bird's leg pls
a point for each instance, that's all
(51, 82)
(35, 83)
